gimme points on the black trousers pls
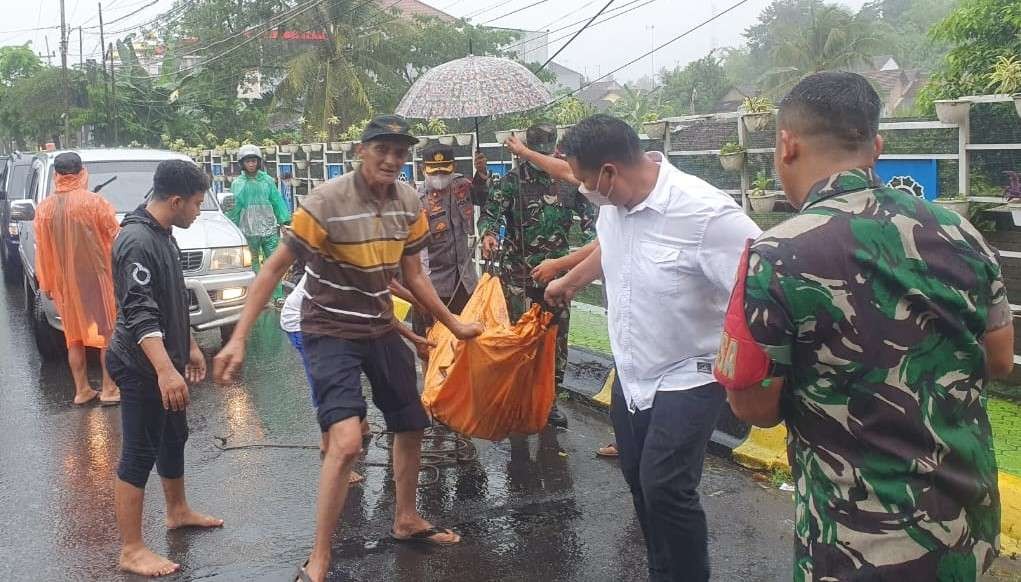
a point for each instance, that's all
(662, 450)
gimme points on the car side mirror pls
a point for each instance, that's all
(22, 211)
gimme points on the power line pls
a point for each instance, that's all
(654, 50)
(582, 29)
(614, 13)
(512, 12)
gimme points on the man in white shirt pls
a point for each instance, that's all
(669, 245)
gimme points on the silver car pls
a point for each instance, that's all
(214, 253)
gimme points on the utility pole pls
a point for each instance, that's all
(113, 91)
(81, 49)
(49, 54)
(106, 87)
(63, 76)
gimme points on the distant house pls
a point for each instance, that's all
(734, 97)
(413, 8)
(897, 87)
(565, 78)
(602, 94)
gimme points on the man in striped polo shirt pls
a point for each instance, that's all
(354, 234)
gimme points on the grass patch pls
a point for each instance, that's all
(779, 476)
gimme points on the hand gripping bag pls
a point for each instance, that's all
(499, 383)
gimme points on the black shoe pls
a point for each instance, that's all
(557, 418)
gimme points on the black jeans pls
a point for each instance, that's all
(151, 435)
(662, 450)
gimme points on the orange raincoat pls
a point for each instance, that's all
(500, 382)
(74, 231)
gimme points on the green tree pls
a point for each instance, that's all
(637, 107)
(696, 87)
(904, 29)
(808, 36)
(17, 62)
(980, 32)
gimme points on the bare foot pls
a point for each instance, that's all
(191, 518)
(316, 569)
(85, 397)
(110, 395)
(406, 528)
(355, 478)
(142, 560)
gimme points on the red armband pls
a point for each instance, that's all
(741, 363)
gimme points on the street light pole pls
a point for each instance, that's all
(63, 76)
(106, 87)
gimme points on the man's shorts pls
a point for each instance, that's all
(335, 366)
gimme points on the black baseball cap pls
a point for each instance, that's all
(389, 126)
(67, 163)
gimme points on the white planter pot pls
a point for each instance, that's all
(655, 129)
(356, 164)
(289, 148)
(301, 164)
(757, 121)
(1017, 103)
(217, 151)
(561, 132)
(334, 146)
(521, 134)
(501, 136)
(423, 141)
(958, 206)
(347, 145)
(447, 140)
(269, 150)
(952, 111)
(316, 147)
(762, 203)
(465, 139)
(732, 162)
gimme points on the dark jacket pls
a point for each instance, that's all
(150, 291)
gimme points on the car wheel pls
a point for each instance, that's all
(49, 341)
(225, 332)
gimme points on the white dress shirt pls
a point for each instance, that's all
(668, 266)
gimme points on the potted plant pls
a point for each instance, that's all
(447, 140)
(346, 146)
(521, 134)
(423, 141)
(758, 111)
(501, 136)
(1006, 78)
(956, 202)
(760, 197)
(465, 139)
(732, 156)
(952, 111)
(301, 164)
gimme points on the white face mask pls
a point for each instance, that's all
(595, 196)
(438, 181)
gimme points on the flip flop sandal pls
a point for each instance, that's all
(302, 575)
(609, 451)
(425, 537)
(109, 402)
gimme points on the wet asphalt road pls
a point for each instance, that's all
(541, 508)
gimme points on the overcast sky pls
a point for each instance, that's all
(598, 50)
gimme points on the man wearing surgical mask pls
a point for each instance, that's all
(448, 199)
(669, 245)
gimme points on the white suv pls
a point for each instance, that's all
(214, 253)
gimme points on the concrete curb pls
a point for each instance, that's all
(767, 449)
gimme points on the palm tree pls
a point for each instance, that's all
(828, 38)
(331, 80)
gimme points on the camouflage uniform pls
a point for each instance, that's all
(873, 305)
(528, 200)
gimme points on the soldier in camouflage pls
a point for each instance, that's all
(536, 213)
(883, 316)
